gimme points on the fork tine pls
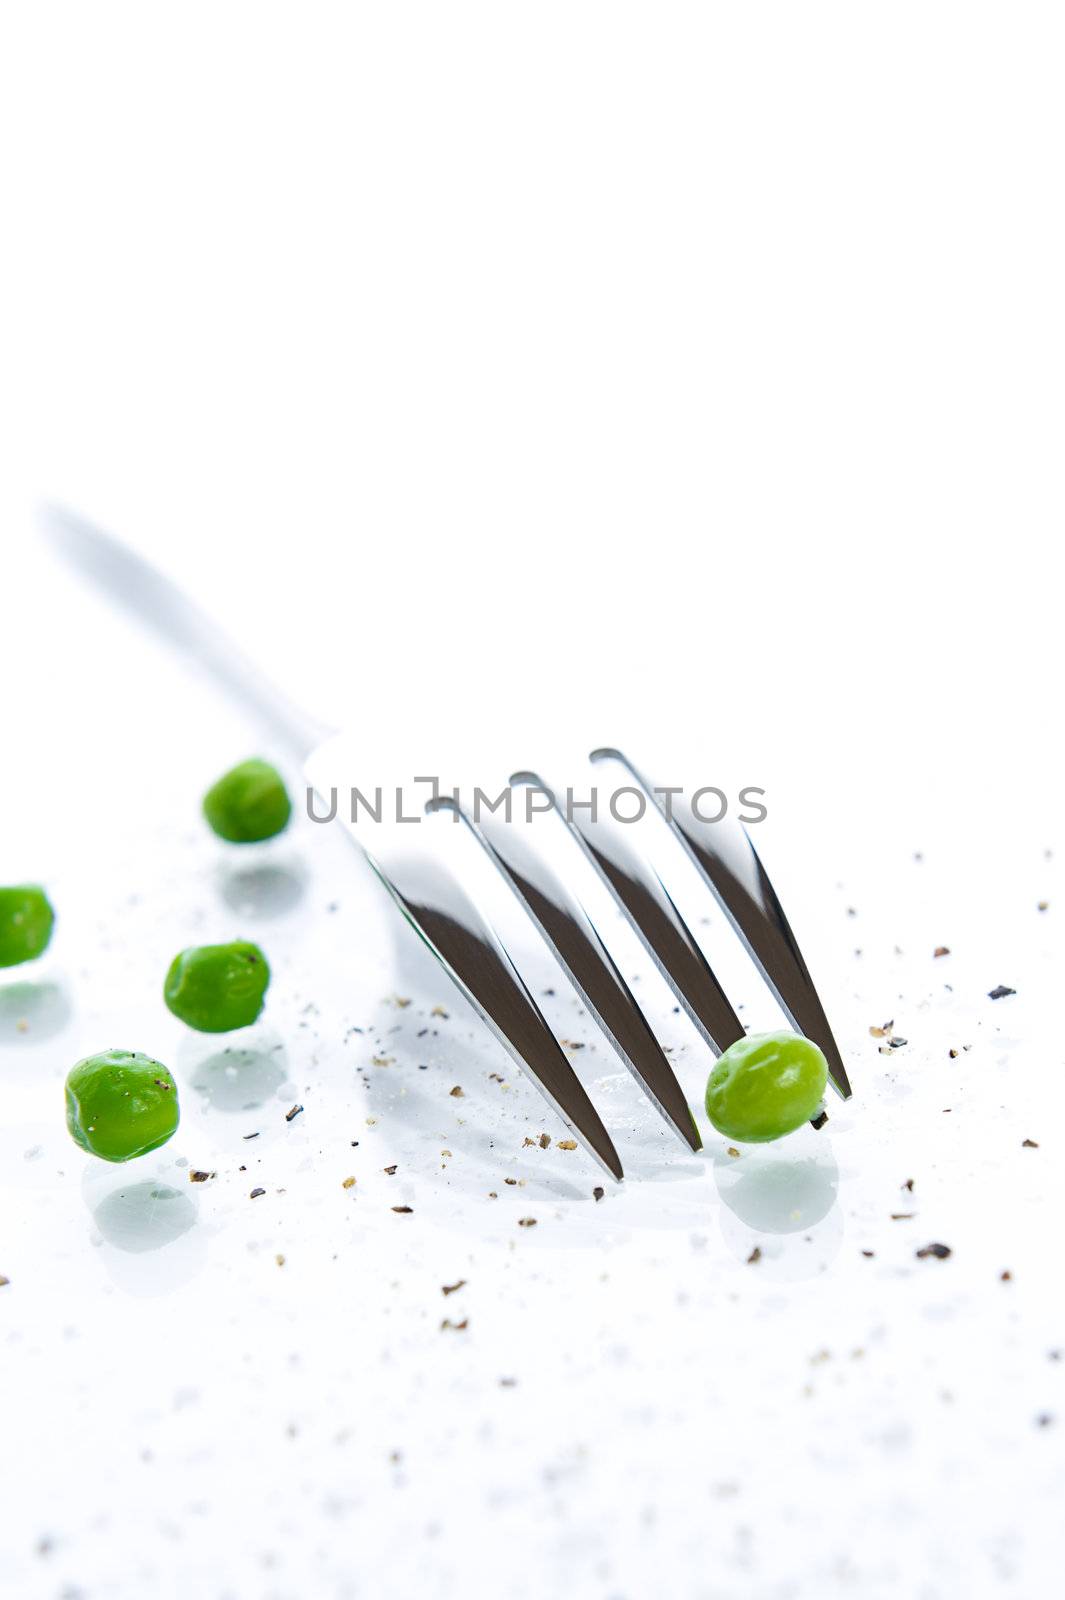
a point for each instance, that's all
(470, 953)
(728, 861)
(666, 936)
(571, 935)
(439, 909)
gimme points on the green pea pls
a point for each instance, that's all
(217, 987)
(248, 803)
(765, 1086)
(121, 1104)
(26, 923)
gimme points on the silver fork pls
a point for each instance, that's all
(463, 939)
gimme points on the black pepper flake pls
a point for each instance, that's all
(453, 1288)
(1029, 1144)
(404, 1211)
(197, 1175)
(390, 1170)
(820, 1119)
(999, 992)
(256, 1193)
(456, 1327)
(597, 1193)
(869, 1254)
(249, 1135)
(940, 1251)
(908, 1185)
(755, 1255)
(526, 1222)
(290, 1116)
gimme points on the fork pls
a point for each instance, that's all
(465, 940)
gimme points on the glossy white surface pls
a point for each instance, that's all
(686, 379)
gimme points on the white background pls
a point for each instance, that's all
(681, 376)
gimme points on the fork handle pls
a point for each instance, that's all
(156, 602)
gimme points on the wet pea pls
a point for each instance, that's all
(248, 804)
(26, 923)
(217, 987)
(121, 1104)
(765, 1086)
